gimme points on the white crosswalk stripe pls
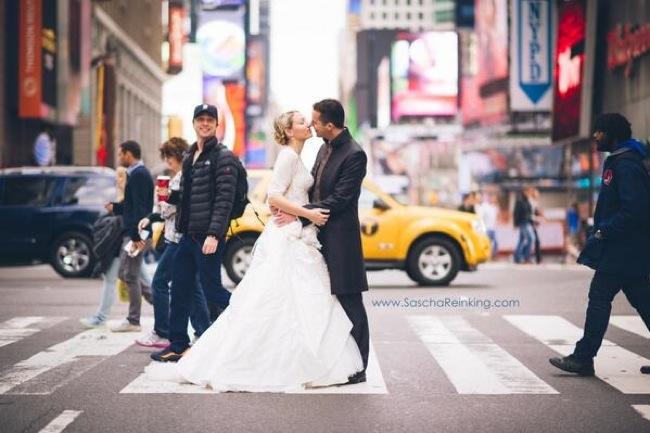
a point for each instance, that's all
(85, 350)
(58, 424)
(643, 409)
(472, 361)
(375, 384)
(632, 324)
(16, 329)
(614, 365)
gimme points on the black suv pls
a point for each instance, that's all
(47, 214)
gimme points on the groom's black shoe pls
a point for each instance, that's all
(167, 355)
(358, 377)
(645, 369)
(572, 364)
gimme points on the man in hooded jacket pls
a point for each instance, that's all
(617, 248)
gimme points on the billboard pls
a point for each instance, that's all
(568, 70)
(531, 57)
(230, 100)
(488, 89)
(424, 74)
(37, 95)
(176, 37)
(222, 43)
(256, 75)
(504, 164)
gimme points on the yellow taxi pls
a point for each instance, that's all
(431, 244)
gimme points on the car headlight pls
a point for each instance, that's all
(479, 226)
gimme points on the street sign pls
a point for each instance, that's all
(531, 53)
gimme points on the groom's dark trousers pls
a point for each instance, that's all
(353, 306)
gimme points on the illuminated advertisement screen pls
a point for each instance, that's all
(256, 73)
(222, 41)
(424, 74)
(230, 100)
(569, 60)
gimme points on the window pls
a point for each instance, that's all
(396, 15)
(28, 190)
(444, 16)
(89, 191)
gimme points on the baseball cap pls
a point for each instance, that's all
(208, 109)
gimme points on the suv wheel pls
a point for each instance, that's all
(238, 257)
(433, 262)
(71, 255)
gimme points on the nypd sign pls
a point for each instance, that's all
(531, 55)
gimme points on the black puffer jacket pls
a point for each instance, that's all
(207, 194)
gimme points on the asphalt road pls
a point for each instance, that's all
(443, 361)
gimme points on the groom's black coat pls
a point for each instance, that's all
(340, 187)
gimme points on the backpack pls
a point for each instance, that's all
(241, 191)
(107, 238)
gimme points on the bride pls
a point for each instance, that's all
(283, 329)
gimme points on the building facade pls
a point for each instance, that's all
(93, 79)
(412, 15)
(127, 82)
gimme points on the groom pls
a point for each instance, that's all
(338, 172)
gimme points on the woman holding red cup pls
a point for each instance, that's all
(168, 196)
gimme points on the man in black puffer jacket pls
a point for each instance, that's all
(207, 198)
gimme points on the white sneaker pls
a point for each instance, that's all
(152, 340)
(124, 326)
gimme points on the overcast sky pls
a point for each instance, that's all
(304, 51)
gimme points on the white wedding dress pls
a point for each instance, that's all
(283, 329)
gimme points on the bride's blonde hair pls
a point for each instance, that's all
(281, 123)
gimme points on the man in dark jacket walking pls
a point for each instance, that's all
(618, 246)
(138, 201)
(338, 173)
(203, 218)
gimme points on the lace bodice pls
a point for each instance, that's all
(291, 178)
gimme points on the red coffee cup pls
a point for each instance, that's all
(162, 182)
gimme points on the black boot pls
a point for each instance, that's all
(572, 364)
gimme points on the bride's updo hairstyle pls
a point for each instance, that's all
(281, 123)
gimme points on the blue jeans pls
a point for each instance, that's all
(199, 316)
(525, 244)
(188, 261)
(110, 283)
(492, 235)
